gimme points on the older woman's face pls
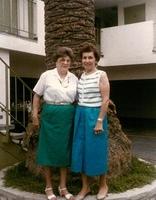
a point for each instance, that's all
(88, 61)
(63, 63)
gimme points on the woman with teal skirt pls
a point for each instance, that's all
(57, 87)
(90, 141)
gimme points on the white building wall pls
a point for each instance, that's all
(150, 7)
(10, 42)
(17, 44)
(138, 72)
(128, 56)
(128, 44)
(40, 27)
(5, 56)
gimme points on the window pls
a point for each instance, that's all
(8, 16)
(134, 14)
(32, 20)
(106, 17)
(18, 17)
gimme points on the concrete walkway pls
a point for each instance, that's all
(9, 153)
(143, 143)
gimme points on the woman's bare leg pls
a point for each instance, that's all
(63, 191)
(103, 188)
(85, 186)
(63, 177)
(47, 174)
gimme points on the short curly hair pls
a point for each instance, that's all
(62, 52)
(88, 47)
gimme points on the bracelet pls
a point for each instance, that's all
(99, 119)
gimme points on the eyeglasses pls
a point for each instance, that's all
(64, 60)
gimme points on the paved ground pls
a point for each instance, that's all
(143, 143)
(9, 152)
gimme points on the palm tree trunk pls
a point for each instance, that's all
(68, 23)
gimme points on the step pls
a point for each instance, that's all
(17, 136)
(4, 127)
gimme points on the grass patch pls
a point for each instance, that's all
(139, 174)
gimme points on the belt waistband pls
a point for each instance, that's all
(58, 103)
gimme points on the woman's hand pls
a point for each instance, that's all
(99, 127)
(35, 120)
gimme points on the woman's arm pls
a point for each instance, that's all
(36, 109)
(105, 92)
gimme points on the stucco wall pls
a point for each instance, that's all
(150, 7)
(128, 44)
(5, 56)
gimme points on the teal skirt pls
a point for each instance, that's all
(55, 135)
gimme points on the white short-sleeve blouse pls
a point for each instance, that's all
(54, 89)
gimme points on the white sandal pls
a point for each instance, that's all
(68, 196)
(81, 197)
(50, 196)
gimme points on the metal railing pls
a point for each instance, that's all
(19, 18)
(17, 32)
(8, 112)
(25, 104)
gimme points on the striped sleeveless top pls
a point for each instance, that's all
(89, 91)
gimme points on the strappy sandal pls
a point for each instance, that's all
(62, 192)
(50, 196)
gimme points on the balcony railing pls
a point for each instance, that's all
(19, 18)
(128, 44)
(18, 32)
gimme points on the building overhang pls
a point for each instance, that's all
(105, 3)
